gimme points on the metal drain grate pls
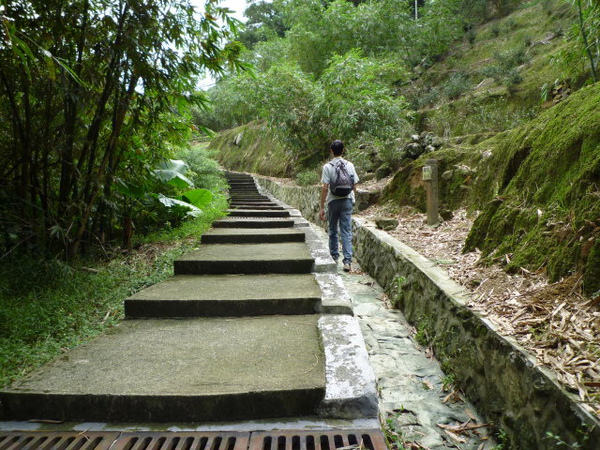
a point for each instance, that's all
(53, 440)
(318, 440)
(276, 440)
(182, 441)
(35, 440)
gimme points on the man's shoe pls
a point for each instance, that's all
(347, 267)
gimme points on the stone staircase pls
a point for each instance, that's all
(238, 333)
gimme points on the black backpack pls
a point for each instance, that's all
(342, 182)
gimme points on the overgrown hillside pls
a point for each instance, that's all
(516, 135)
(544, 182)
(500, 75)
(536, 188)
(253, 148)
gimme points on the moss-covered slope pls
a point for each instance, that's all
(541, 183)
(253, 148)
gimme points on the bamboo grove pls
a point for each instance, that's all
(93, 94)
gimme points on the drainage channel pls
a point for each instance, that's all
(367, 439)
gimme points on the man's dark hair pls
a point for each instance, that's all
(337, 147)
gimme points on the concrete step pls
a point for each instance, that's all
(239, 222)
(169, 370)
(242, 182)
(216, 259)
(227, 295)
(237, 183)
(258, 213)
(250, 200)
(238, 176)
(252, 235)
(257, 207)
(251, 203)
(249, 197)
(244, 190)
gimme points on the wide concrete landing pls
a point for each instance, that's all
(286, 257)
(252, 235)
(227, 295)
(180, 370)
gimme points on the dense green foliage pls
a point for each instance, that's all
(47, 307)
(93, 95)
(465, 66)
(477, 74)
(337, 69)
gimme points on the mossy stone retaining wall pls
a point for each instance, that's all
(496, 374)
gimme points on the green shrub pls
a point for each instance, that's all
(204, 171)
(511, 58)
(457, 84)
(471, 36)
(308, 177)
(495, 30)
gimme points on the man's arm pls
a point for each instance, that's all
(324, 190)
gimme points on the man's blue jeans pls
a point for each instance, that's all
(339, 213)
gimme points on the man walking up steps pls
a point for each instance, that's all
(339, 180)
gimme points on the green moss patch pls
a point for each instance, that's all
(545, 178)
(454, 173)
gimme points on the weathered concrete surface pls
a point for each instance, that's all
(227, 295)
(319, 249)
(246, 258)
(351, 390)
(258, 213)
(334, 296)
(252, 235)
(411, 384)
(239, 222)
(498, 376)
(180, 370)
(182, 359)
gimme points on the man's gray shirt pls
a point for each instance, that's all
(329, 173)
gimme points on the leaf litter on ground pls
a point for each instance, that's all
(553, 321)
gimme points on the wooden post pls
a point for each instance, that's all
(430, 176)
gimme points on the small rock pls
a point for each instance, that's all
(383, 172)
(446, 215)
(437, 142)
(238, 139)
(464, 170)
(386, 223)
(413, 150)
(447, 175)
